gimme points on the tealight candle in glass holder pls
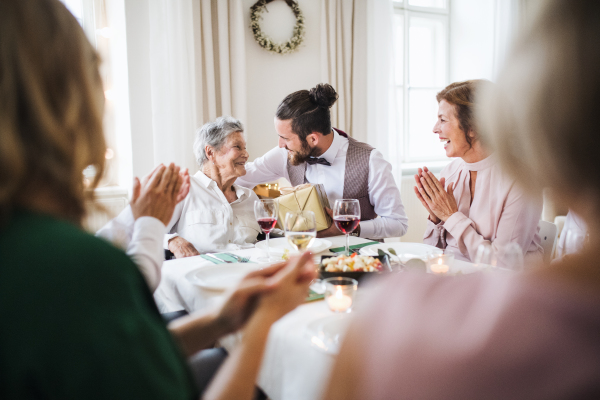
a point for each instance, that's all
(440, 264)
(339, 293)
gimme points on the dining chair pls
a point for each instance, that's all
(548, 233)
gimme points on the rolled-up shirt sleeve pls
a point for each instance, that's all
(267, 168)
(384, 195)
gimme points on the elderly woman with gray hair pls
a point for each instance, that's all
(217, 214)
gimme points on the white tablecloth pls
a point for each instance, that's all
(176, 293)
(292, 368)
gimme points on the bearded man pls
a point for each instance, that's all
(311, 151)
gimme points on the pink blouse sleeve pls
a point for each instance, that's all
(518, 223)
(434, 234)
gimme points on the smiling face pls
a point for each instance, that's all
(298, 150)
(449, 131)
(230, 160)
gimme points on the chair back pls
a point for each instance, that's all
(548, 233)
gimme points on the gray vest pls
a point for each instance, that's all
(356, 176)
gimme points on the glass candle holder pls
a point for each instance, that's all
(440, 264)
(339, 293)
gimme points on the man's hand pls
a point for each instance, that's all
(181, 248)
(159, 192)
(332, 230)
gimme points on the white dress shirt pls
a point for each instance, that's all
(383, 192)
(208, 221)
(141, 239)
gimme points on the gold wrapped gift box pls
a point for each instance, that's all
(307, 197)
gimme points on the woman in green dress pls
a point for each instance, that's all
(78, 320)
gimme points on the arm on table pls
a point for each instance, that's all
(267, 168)
(518, 223)
(385, 197)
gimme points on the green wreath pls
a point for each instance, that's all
(264, 41)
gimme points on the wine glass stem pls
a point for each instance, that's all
(347, 244)
(268, 252)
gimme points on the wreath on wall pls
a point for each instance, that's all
(266, 42)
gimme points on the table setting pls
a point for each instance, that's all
(303, 344)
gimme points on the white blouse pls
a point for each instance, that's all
(208, 221)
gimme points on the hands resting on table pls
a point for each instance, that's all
(260, 299)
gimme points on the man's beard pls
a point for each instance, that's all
(298, 157)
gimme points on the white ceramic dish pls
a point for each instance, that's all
(278, 245)
(326, 334)
(220, 277)
(404, 250)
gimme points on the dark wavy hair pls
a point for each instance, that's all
(309, 110)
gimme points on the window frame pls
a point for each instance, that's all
(407, 11)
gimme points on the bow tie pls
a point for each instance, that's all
(322, 161)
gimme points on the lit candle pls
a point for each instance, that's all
(339, 302)
(439, 268)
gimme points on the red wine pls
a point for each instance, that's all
(267, 224)
(346, 224)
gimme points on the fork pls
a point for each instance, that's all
(238, 258)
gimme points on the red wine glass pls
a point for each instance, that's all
(266, 212)
(346, 217)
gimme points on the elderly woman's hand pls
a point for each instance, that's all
(181, 248)
(440, 203)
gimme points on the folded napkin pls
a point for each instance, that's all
(224, 257)
(353, 247)
(312, 296)
(212, 260)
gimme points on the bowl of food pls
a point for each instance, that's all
(355, 266)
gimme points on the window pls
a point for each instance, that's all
(102, 22)
(421, 37)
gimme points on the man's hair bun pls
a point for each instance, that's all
(323, 95)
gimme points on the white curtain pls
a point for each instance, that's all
(197, 69)
(356, 59)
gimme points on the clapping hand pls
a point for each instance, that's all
(439, 202)
(159, 192)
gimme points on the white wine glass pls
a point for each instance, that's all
(300, 229)
(346, 217)
(266, 212)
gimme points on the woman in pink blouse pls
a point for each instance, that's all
(532, 335)
(474, 202)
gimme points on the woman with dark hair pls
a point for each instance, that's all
(310, 150)
(474, 202)
(78, 320)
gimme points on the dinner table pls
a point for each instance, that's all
(301, 347)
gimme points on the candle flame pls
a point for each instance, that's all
(440, 261)
(338, 293)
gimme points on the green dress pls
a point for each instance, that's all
(77, 320)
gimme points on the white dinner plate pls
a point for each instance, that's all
(326, 334)
(278, 246)
(220, 277)
(404, 250)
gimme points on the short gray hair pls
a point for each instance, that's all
(214, 134)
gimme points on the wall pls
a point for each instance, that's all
(271, 77)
